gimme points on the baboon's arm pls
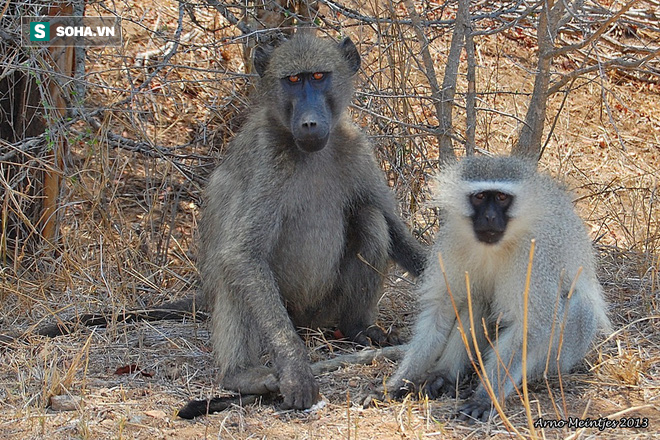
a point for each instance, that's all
(404, 249)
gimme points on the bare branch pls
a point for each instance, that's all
(512, 22)
(471, 97)
(225, 12)
(601, 30)
(529, 140)
(517, 9)
(442, 99)
(614, 63)
(360, 357)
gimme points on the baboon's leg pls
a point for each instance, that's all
(196, 408)
(249, 315)
(262, 380)
(255, 380)
(236, 341)
(360, 278)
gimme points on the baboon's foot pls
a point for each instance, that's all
(255, 380)
(376, 336)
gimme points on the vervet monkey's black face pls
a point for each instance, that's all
(490, 218)
(307, 95)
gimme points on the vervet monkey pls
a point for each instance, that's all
(491, 208)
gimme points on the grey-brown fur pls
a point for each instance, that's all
(284, 230)
(542, 210)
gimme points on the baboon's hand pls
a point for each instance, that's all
(475, 409)
(298, 387)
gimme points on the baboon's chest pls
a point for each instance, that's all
(311, 243)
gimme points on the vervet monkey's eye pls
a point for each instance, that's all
(477, 199)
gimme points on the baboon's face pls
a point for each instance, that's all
(489, 218)
(307, 83)
(307, 101)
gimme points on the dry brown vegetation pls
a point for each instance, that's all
(157, 119)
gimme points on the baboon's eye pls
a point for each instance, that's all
(318, 75)
(294, 78)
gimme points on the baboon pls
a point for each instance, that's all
(299, 224)
(490, 210)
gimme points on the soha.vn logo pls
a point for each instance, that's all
(40, 31)
(63, 31)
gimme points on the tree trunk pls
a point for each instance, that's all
(31, 104)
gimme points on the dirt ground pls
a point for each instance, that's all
(127, 241)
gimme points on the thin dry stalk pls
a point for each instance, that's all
(525, 328)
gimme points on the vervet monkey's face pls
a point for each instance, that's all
(489, 218)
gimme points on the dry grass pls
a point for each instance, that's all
(127, 240)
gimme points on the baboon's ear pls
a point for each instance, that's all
(351, 54)
(261, 58)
